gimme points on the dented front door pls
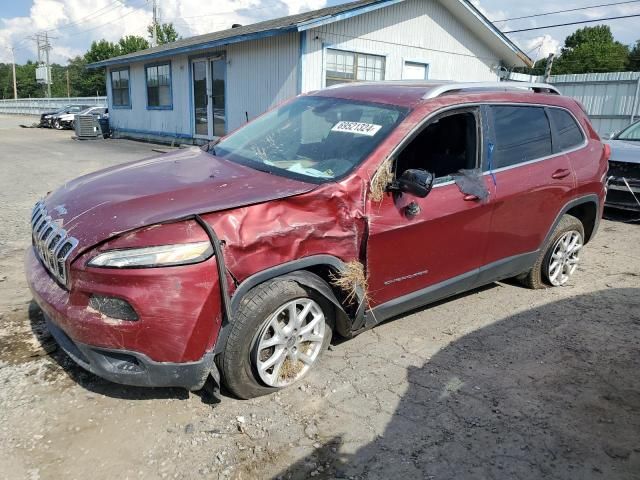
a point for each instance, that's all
(416, 243)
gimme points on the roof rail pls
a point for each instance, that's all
(455, 87)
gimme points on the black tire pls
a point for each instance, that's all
(237, 368)
(537, 277)
(56, 125)
(73, 124)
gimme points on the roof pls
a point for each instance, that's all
(462, 9)
(409, 93)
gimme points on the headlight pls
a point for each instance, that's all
(164, 256)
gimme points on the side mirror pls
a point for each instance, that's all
(414, 181)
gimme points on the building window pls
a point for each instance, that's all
(159, 86)
(351, 67)
(120, 88)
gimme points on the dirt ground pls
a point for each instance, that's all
(502, 382)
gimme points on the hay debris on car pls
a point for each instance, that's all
(350, 280)
(380, 180)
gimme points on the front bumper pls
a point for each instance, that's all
(168, 345)
(623, 194)
(133, 368)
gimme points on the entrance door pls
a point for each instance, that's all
(209, 111)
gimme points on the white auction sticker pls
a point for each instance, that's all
(368, 129)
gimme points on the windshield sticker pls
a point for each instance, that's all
(368, 129)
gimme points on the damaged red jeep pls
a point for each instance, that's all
(235, 263)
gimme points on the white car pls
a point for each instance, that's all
(67, 120)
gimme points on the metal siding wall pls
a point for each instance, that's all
(175, 122)
(609, 98)
(419, 30)
(260, 74)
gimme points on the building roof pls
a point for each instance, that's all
(462, 9)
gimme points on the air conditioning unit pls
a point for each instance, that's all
(87, 127)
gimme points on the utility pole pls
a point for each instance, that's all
(47, 47)
(68, 85)
(547, 70)
(13, 67)
(154, 33)
(44, 47)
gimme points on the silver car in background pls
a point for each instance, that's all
(624, 169)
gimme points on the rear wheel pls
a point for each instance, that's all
(278, 335)
(560, 256)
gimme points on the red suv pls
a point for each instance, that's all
(331, 213)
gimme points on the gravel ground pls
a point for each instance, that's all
(502, 382)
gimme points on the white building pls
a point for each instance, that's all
(202, 87)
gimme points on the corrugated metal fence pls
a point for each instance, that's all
(36, 106)
(612, 100)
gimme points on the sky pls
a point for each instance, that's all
(73, 24)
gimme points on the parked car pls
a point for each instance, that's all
(331, 213)
(623, 190)
(67, 119)
(46, 119)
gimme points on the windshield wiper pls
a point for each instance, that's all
(209, 146)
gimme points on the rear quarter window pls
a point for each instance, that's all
(567, 132)
(521, 134)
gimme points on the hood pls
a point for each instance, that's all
(624, 151)
(66, 116)
(100, 205)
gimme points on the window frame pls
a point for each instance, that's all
(425, 63)
(555, 137)
(111, 72)
(474, 109)
(147, 66)
(355, 66)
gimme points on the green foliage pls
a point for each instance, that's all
(634, 58)
(592, 49)
(166, 33)
(131, 43)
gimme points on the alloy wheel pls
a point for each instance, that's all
(564, 258)
(290, 342)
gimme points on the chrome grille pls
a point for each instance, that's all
(52, 243)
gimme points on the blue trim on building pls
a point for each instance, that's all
(303, 51)
(110, 86)
(146, 86)
(154, 133)
(317, 22)
(194, 48)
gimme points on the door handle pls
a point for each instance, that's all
(561, 173)
(470, 198)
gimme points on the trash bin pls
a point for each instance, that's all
(104, 126)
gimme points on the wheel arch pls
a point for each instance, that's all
(585, 209)
(312, 272)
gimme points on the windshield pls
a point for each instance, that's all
(632, 132)
(317, 138)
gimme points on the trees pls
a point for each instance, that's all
(131, 43)
(634, 58)
(166, 33)
(589, 49)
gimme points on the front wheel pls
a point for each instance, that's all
(57, 125)
(278, 335)
(559, 257)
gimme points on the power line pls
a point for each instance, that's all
(572, 23)
(108, 9)
(565, 11)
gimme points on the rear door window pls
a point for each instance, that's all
(567, 132)
(521, 134)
